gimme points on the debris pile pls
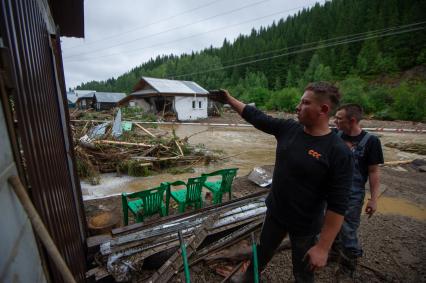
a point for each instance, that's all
(206, 232)
(128, 147)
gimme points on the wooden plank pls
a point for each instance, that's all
(173, 264)
(123, 143)
(180, 149)
(94, 241)
(145, 130)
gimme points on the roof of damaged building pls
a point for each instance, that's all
(148, 87)
(174, 86)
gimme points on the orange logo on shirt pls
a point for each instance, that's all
(314, 153)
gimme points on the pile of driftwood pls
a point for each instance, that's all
(136, 151)
(125, 254)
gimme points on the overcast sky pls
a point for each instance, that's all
(122, 34)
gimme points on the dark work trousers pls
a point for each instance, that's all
(271, 237)
(347, 239)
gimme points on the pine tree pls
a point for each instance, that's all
(366, 59)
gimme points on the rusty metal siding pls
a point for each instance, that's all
(43, 137)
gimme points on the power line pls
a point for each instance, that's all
(145, 26)
(301, 51)
(168, 30)
(184, 38)
(372, 32)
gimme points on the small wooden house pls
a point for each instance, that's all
(85, 99)
(107, 100)
(185, 98)
(98, 100)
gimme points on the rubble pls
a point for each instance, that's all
(206, 231)
(116, 146)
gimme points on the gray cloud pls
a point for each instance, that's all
(144, 23)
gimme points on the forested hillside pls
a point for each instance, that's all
(365, 46)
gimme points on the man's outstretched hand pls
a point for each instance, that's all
(220, 95)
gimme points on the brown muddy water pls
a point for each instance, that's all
(388, 205)
(246, 148)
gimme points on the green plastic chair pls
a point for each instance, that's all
(224, 185)
(145, 203)
(191, 195)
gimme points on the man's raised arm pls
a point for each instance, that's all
(223, 96)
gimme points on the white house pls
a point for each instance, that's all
(187, 99)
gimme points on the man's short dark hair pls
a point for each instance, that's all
(352, 110)
(325, 91)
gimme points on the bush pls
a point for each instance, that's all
(137, 113)
(354, 91)
(410, 101)
(284, 100)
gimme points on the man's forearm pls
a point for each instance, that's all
(236, 104)
(374, 181)
(332, 224)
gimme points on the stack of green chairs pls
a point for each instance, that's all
(222, 186)
(145, 203)
(150, 202)
(190, 195)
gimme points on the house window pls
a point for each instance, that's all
(199, 104)
(193, 104)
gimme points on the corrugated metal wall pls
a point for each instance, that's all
(42, 128)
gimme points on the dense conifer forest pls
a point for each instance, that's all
(375, 50)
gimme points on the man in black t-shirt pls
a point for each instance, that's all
(312, 167)
(367, 153)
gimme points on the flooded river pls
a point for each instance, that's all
(243, 148)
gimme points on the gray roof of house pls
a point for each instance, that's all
(109, 96)
(84, 93)
(175, 86)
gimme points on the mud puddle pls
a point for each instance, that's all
(397, 206)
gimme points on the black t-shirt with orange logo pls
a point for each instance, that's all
(309, 171)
